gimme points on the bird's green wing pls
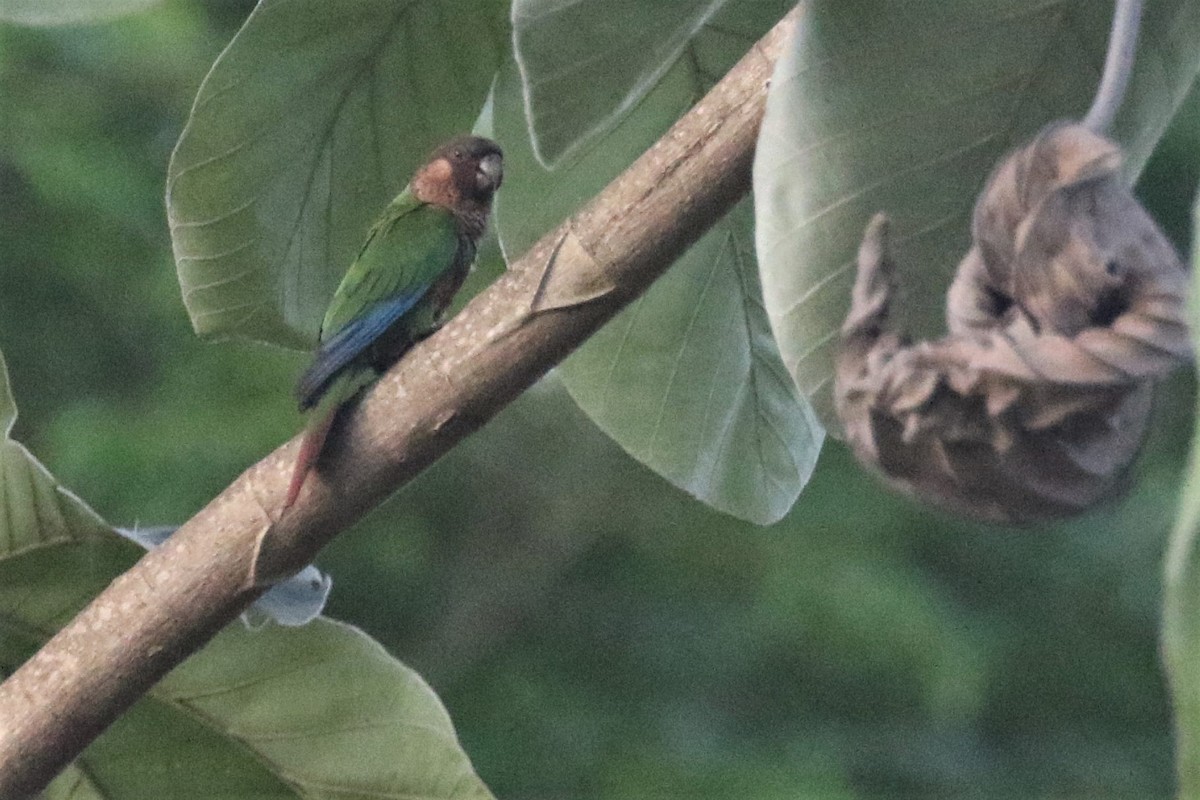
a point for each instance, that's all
(406, 250)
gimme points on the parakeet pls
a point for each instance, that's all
(413, 261)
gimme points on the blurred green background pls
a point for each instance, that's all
(593, 631)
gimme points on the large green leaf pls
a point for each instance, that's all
(584, 65)
(309, 122)
(68, 12)
(688, 379)
(904, 107)
(1181, 602)
(315, 712)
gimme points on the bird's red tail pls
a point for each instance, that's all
(310, 450)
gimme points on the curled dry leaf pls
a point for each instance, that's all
(1067, 308)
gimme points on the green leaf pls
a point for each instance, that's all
(905, 108)
(35, 511)
(585, 65)
(314, 712)
(688, 379)
(68, 12)
(73, 783)
(311, 120)
(330, 709)
(1181, 596)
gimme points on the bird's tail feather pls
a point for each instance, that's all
(342, 390)
(311, 445)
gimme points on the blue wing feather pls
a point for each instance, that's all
(350, 342)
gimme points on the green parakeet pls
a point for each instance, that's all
(413, 261)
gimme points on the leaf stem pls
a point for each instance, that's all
(1118, 64)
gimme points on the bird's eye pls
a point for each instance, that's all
(458, 154)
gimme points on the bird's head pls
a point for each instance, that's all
(461, 175)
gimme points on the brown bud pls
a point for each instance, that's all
(1068, 306)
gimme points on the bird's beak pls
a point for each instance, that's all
(491, 171)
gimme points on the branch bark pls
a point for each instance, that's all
(568, 285)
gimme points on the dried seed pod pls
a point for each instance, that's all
(1068, 306)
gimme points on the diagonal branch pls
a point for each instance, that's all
(568, 285)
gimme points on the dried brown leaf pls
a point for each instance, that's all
(1066, 309)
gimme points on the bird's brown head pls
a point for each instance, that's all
(462, 175)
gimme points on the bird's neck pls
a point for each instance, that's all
(472, 218)
(433, 186)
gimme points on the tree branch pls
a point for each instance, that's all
(568, 285)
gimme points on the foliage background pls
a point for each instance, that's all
(593, 631)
